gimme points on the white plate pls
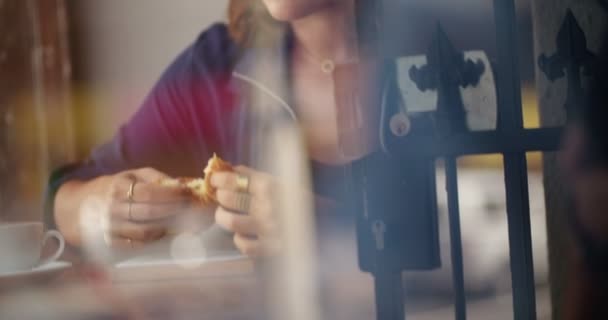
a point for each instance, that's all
(39, 270)
(147, 261)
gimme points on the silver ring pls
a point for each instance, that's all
(243, 202)
(130, 241)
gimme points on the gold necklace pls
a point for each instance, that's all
(327, 65)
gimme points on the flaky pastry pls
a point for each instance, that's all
(201, 188)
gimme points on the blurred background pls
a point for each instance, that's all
(120, 48)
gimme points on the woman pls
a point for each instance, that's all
(289, 60)
(200, 107)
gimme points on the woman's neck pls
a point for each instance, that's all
(329, 33)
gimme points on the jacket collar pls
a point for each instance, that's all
(266, 71)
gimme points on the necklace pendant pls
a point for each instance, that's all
(328, 66)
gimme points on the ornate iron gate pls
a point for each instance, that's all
(447, 70)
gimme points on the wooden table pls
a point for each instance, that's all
(226, 291)
(222, 292)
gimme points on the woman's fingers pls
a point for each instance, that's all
(146, 192)
(248, 213)
(244, 224)
(143, 232)
(259, 184)
(149, 175)
(248, 246)
(120, 243)
(256, 247)
(235, 201)
(156, 193)
(142, 212)
(245, 203)
(139, 210)
(252, 172)
(237, 223)
(143, 186)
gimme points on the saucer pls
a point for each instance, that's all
(44, 269)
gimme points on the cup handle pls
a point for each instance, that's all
(57, 235)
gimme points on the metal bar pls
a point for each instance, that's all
(516, 180)
(483, 142)
(520, 239)
(509, 88)
(455, 238)
(388, 284)
(389, 296)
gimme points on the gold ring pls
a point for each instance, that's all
(131, 190)
(243, 202)
(242, 183)
(130, 197)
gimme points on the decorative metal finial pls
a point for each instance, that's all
(572, 55)
(447, 71)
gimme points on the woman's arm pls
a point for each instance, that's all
(68, 200)
(127, 209)
(180, 124)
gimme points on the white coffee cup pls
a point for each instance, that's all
(21, 245)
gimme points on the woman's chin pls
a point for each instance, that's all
(292, 10)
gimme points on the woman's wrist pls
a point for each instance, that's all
(69, 200)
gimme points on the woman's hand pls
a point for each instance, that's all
(138, 210)
(246, 209)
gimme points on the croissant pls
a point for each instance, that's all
(201, 188)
